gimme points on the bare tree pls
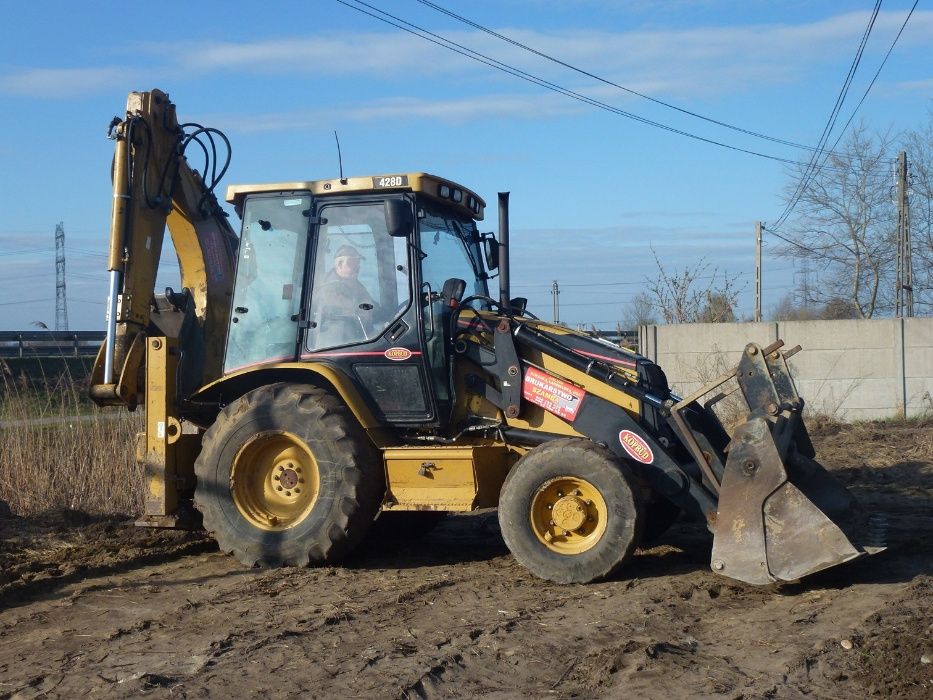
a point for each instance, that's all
(639, 312)
(693, 294)
(845, 222)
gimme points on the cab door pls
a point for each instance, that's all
(449, 250)
(361, 318)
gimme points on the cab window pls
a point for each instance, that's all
(269, 274)
(361, 277)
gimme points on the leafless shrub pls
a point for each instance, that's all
(58, 452)
(695, 294)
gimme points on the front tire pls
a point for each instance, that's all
(570, 511)
(286, 476)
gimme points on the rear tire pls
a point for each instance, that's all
(286, 476)
(570, 511)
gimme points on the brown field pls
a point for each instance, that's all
(92, 606)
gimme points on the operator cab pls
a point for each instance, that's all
(362, 274)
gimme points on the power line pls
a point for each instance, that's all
(852, 116)
(875, 77)
(27, 301)
(813, 166)
(427, 35)
(28, 251)
(605, 81)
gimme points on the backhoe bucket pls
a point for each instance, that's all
(781, 515)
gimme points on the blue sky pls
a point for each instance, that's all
(592, 192)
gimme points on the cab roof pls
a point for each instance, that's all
(437, 188)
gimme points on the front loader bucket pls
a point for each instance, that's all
(781, 515)
(780, 520)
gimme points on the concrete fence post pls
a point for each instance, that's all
(900, 361)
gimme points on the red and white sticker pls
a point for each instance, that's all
(552, 394)
(635, 445)
(397, 354)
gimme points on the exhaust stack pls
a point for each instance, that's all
(504, 291)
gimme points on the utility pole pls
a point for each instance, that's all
(555, 293)
(904, 290)
(757, 271)
(61, 302)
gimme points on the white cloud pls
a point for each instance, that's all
(59, 83)
(403, 109)
(917, 85)
(668, 64)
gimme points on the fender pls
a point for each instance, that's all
(234, 385)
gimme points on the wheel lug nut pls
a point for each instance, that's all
(281, 468)
(288, 493)
(550, 506)
(566, 533)
(298, 470)
(278, 488)
(576, 492)
(277, 477)
(301, 481)
(297, 490)
(589, 519)
(560, 494)
(551, 523)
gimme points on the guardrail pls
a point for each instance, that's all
(50, 343)
(86, 343)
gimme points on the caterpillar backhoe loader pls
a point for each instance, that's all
(343, 358)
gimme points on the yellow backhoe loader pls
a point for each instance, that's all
(343, 358)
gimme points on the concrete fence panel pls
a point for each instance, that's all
(852, 370)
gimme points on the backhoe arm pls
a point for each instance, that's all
(153, 185)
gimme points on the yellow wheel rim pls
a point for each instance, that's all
(568, 515)
(275, 481)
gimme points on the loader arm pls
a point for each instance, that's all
(776, 515)
(154, 185)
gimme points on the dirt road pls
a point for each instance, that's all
(97, 608)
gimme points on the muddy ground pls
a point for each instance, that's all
(94, 607)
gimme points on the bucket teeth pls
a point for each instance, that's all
(876, 532)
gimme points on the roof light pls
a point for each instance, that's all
(457, 196)
(444, 191)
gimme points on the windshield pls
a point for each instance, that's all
(452, 249)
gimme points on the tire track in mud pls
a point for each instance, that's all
(454, 615)
(214, 616)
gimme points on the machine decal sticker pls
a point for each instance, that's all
(552, 394)
(398, 354)
(636, 447)
(390, 181)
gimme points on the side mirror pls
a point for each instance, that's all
(453, 292)
(399, 217)
(491, 252)
(519, 304)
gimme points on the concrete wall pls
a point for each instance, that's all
(851, 370)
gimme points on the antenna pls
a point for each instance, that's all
(343, 180)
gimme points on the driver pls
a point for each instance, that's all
(344, 301)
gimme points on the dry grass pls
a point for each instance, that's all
(58, 452)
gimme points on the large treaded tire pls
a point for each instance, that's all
(563, 461)
(349, 473)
